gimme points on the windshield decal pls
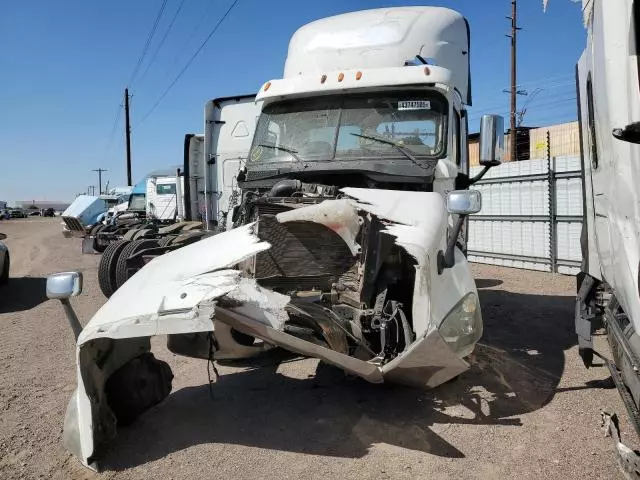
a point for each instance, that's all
(414, 105)
(256, 153)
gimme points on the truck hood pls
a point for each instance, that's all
(195, 288)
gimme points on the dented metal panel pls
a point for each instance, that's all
(249, 326)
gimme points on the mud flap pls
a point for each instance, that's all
(429, 362)
(584, 315)
(87, 245)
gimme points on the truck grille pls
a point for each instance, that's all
(73, 224)
(305, 253)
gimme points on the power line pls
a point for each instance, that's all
(545, 80)
(547, 99)
(148, 42)
(111, 136)
(193, 57)
(545, 86)
(194, 31)
(166, 34)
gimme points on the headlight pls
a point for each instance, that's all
(462, 327)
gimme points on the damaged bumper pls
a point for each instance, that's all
(210, 309)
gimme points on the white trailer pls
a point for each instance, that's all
(347, 241)
(609, 111)
(164, 198)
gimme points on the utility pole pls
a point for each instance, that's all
(514, 92)
(99, 170)
(127, 133)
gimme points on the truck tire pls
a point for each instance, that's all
(188, 238)
(4, 276)
(129, 234)
(106, 269)
(166, 241)
(121, 271)
(139, 235)
(137, 386)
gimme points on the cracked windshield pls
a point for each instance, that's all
(357, 127)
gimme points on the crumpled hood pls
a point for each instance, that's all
(176, 282)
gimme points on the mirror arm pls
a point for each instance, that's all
(447, 259)
(479, 176)
(71, 317)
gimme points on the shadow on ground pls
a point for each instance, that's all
(22, 293)
(514, 371)
(488, 282)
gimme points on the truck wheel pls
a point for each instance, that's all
(107, 274)
(4, 276)
(122, 272)
(137, 386)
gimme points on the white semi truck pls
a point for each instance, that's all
(347, 225)
(609, 112)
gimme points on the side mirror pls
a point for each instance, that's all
(464, 202)
(62, 286)
(491, 140)
(630, 133)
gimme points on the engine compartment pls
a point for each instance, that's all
(355, 299)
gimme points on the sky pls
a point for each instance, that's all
(64, 66)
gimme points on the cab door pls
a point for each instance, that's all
(229, 126)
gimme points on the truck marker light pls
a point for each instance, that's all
(267, 86)
(341, 77)
(427, 71)
(323, 78)
(358, 75)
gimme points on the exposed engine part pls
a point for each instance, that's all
(394, 330)
(285, 188)
(358, 295)
(137, 386)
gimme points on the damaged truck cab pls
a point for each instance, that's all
(346, 227)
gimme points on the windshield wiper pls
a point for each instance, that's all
(400, 148)
(291, 151)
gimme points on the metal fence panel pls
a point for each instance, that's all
(531, 215)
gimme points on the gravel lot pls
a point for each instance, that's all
(527, 409)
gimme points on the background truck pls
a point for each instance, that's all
(609, 112)
(200, 196)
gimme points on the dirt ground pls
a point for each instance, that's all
(526, 409)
